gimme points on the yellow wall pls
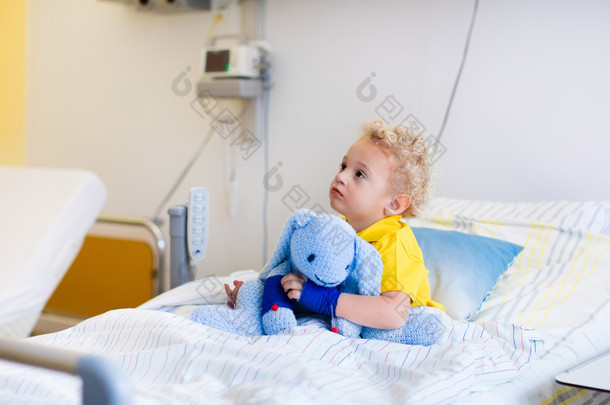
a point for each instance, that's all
(12, 82)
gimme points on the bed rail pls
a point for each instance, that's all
(103, 382)
(156, 233)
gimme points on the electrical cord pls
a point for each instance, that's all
(457, 79)
(157, 217)
(266, 76)
(266, 97)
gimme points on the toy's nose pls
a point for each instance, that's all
(311, 258)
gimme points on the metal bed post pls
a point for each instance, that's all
(103, 382)
(181, 270)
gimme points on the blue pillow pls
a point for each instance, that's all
(463, 268)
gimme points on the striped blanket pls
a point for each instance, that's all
(170, 359)
(559, 287)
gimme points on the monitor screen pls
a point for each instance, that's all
(217, 61)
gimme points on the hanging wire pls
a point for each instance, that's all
(265, 73)
(266, 162)
(457, 79)
(157, 217)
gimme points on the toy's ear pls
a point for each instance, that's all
(297, 220)
(302, 217)
(367, 267)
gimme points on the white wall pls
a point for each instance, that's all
(528, 121)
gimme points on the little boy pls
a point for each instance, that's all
(384, 176)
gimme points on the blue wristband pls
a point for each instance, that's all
(322, 300)
(274, 296)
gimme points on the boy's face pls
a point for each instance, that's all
(361, 189)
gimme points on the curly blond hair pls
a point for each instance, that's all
(411, 168)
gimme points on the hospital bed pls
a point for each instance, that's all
(548, 311)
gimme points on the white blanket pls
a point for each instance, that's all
(170, 359)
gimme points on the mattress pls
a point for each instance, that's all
(44, 216)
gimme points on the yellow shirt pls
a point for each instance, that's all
(403, 262)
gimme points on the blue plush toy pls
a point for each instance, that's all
(326, 250)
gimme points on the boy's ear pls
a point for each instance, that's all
(397, 205)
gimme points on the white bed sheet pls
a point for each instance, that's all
(559, 286)
(44, 216)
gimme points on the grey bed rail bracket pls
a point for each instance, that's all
(103, 382)
(181, 269)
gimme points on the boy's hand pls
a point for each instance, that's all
(232, 294)
(293, 285)
(322, 300)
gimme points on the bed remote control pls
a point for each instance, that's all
(198, 222)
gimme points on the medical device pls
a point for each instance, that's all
(235, 70)
(198, 222)
(238, 61)
(170, 6)
(188, 229)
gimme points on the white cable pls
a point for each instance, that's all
(157, 217)
(266, 169)
(265, 124)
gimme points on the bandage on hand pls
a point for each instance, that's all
(322, 300)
